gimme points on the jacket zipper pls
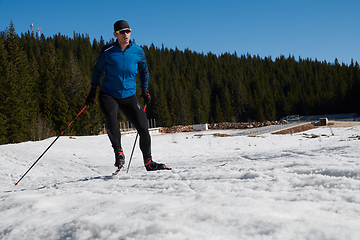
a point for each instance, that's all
(123, 66)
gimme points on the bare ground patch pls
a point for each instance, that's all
(296, 129)
(214, 135)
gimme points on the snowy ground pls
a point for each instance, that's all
(269, 187)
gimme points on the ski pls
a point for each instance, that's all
(117, 171)
(123, 169)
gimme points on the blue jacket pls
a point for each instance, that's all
(121, 68)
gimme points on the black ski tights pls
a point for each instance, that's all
(132, 110)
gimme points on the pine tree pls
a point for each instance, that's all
(218, 113)
(4, 77)
(19, 111)
(158, 108)
(48, 75)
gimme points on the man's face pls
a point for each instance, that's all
(123, 37)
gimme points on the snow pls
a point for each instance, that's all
(300, 186)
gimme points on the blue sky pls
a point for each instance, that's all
(319, 29)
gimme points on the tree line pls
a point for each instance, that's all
(44, 84)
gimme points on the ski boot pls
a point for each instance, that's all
(153, 166)
(119, 159)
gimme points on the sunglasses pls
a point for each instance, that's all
(123, 31)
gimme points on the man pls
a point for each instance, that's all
(121, 61)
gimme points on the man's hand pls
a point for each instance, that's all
(91, 97)
(145, 94)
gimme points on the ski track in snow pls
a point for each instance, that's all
(263, 187)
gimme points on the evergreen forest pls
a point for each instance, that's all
(44, 83)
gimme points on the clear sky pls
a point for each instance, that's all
(321, 29)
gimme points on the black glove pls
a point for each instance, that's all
(91, 97)
(145, 94)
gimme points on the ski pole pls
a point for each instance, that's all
(132, 152)
(50, 145)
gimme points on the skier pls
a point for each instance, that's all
(121, 61)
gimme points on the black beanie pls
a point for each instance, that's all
(120, 25)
